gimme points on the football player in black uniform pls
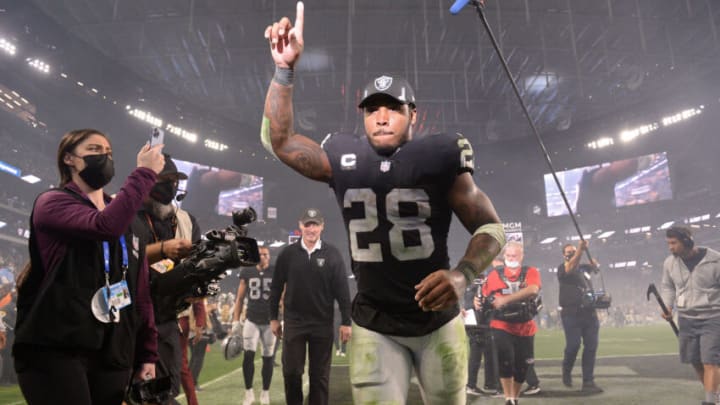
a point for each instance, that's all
(255, 284)
(397, 196)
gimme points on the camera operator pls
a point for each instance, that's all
(170, 232)
(691, 286)
(479, 340)
(511, 292)
(578, 314)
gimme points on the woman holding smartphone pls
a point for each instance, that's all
(85, 319)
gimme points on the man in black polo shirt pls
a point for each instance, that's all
(579, 319)
(313, 274)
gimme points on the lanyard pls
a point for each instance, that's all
(106, 256)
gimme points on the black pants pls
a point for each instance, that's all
(317, 342)
(170, 355)
(478, 345)
(197, 357)
(531, 376)
(580, 325)
(515, 354)
(49, 377)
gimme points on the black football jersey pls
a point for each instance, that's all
(397, 215)
(258, 293)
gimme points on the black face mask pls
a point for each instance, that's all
(98, 171)
(568, 257)
(164, 192)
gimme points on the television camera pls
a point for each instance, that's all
(197, 275)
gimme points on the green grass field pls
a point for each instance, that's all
(221, 380)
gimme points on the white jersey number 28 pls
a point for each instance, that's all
(373, 251)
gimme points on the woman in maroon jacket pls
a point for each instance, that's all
(85, 318)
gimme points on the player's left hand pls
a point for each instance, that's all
(440, 290)
(345, 333)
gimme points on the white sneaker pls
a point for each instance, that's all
(249, 397)
(342, 354)
(265, 398)
(337, 352)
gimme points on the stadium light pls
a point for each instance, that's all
(30, 178)
(548, 240)
(215, 145)
(38, 65)
(277, 243)
(601, 143)
(632, 134)
(698, 218)
(7, 47)
(681, 116)
(145, 116)
(606, 235)
(2, 224)
(666, 225)
(182, 133)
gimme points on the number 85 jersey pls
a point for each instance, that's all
(397, 215)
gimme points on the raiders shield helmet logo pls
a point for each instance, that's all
(385, 166)
(383, 83)
(321, 261)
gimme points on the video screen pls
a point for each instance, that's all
(602, 187)
(212, 194)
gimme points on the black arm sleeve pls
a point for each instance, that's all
(342, 291)
(278, 281)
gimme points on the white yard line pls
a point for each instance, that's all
(616, 356)
(209, 383)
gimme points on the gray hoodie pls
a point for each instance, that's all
(693, 294)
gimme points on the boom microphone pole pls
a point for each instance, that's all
(479, 6)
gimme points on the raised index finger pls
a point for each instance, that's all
(299, 18)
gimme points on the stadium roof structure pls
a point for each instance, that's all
(576, 61)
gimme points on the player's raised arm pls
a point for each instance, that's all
(277, 133)
(477, 214)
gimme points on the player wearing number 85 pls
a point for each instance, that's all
(397, 195)
(255, 285)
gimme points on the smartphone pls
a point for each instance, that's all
(157, 136)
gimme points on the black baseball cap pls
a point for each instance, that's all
(312, 215)
(170, 169)
(393, 86)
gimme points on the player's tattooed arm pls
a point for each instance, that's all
(443, 289)
(297, 151)
(474, 209)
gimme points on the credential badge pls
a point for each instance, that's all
(383, 83)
